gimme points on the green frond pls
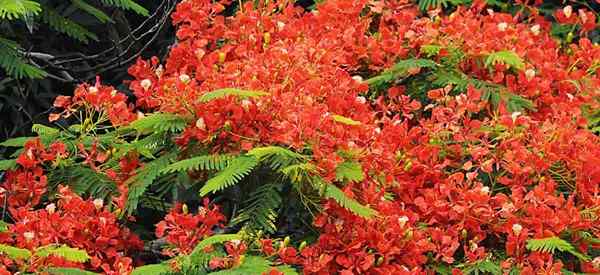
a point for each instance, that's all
(15, 9)
(127, 5)
(3, 226)
(7, 164)
(332, 192)
(425, 5)
(484, 266)
(151, 269)
(221, 93)
(15, 142)
(276, 156)
(232, 174)
(13, 62)
(349, 171)
(399, 70)
(14, 252)
(143, 178)
(260, 210)
(84, 181)
(68, 271)
(198, 252)
(206, 162)
(64, 25)
(159, 122)
(431, 50)
(255, 265)
(345, 120)
(300, 173)
(98, 14)
(564, 177)
(552, 244)
(509, 58)
(63, 251)
(43, 130)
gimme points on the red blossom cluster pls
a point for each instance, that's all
(77, 223)
(453, 175)
(184, 230)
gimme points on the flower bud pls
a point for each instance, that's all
(93, 90)
(358, 78)
(286, 241)
(146, 83)
(184, 78)
(485, 190)
(568, 11)
(502, 26)
(517, 228)
(267, 37)
(402, 220)
(28, 236)
(184, 209)
(200, 124)
(222, 56)
(159, 71)
(302, 245)
(530, 74)
(535, 29)
(98, 203)
(51, 208)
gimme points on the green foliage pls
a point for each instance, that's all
(14, 9)
(151, 269)
(232, 174)
(349, 171)
(260, 208)
(7, 164)
(143, 178)
(255, 265)
(15, 142)
(64, 25)
(352, 205)
(12, 61)
(84, 181)
(552, 244)
(345, 120)
(127, 5)
(276, 157)
(68, 253)
(425, 5)
(68, 271)
(14, 252)
(198, 251)
(399, 70)
(481, 267)
(98, 14)
(221, 93)
(206, 162)
(159, 122)
(509, 58)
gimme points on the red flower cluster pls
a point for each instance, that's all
(184, 230)
(77, 223)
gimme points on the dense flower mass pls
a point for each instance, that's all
(469, 130)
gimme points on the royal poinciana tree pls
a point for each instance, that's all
(357, 137)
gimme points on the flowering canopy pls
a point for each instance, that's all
(459, 142)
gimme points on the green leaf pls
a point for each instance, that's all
(151, 269)
(14, 252)
(551, 244)
(349, 171)
(15, 142)
(68, 271)
(43, 130)
(100, 15)
(345, 120)
(127, 5)
(7, 164)
(505, 57)
(221, 93)
(212, 240)
(260, 210)
(3, 226)
(13, 62)
(68, 253)
(14, 9)
(352, 205)
(66, 26)
(431, 50)
(206, 162)
(255, 265)
(275, 156)
(143, 178)
(232, 174)
(484, 266)
(159, 122)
